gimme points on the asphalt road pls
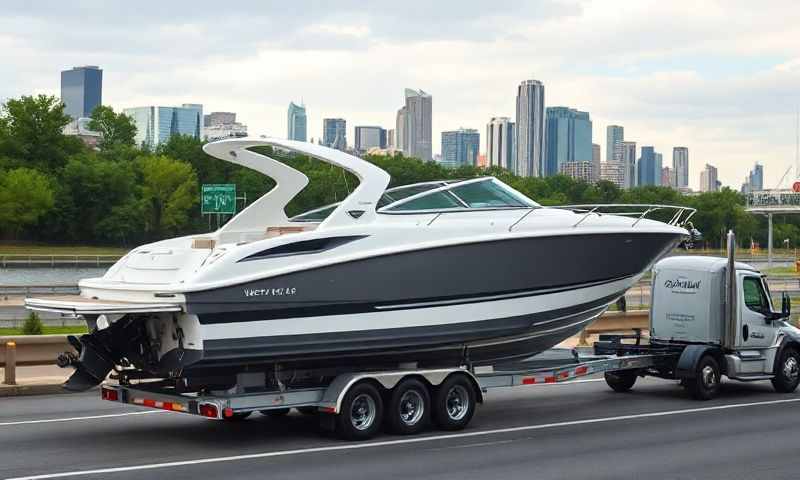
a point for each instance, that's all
(579, 430)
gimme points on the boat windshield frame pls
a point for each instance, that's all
(528, 203)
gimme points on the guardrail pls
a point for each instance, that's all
(29, 289)
(30, 350)
(36, 260)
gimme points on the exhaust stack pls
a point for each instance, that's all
(729, 335)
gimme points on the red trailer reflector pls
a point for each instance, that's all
(109, 394)
(327, 409)
(529, 380)
(581, 370)
(209, 410)
(227, 412)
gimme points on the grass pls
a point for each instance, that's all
(43, 249)
(45, 330)
(781, 271)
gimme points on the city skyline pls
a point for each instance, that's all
(731, 99)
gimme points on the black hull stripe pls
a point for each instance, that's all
(357, 308)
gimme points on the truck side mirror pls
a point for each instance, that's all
(786, 305)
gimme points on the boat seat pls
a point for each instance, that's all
(203, 243)
(273, 232)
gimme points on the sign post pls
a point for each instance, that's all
(218, 198)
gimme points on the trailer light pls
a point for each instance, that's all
(209, 410)
(227, 412)
(327, 409)
(109, 394)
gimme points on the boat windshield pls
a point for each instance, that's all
(470, 194)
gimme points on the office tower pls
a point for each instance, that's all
(613, 172)
(568, 138)
(580, 170)
(369, 137)
(334, 133)
(530, 129)
(155, 125)
(596, 162)
(756, 178)
(414, 125)
(460, 147)
(647, 168)
(615, 135)
(81, 90)
(500, 140)
(219, 118)
(297, 122)
(708, 179)
(680, 166)
(667, 177)
(627, 151)
(401, 137)
(391, 139)
(659, 161)
(220, 125)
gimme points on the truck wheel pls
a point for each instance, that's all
(787, 375)
(621, 380)
(361, 413)
(409, 408)
(706, 382)
(454, 403)
(275, 412)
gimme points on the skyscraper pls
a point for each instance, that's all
(334, 133)
(460, 147)
(658, 165)
(369, 137)
(297, 122)
(708, 179)
(418, 132)
(647, 168)
(81, 90)
(530, 129)
(680, 166)
(615, 135)
(568, 138)
(667, 177)
(595, 162)
(155, 125)
(500, 143)
(628, 164)
(391, 138)
(401, 137)
(757, 178)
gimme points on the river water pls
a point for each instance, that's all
(47, 276)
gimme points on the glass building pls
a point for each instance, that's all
(155, 125)
(500, 147)
(460, 147)
(568, 138)
(416, 130)
(297, 122)
(680, 166)
(530, 142)
(81, 90)
(334, 133)
(368, 137)
(649, 168)
(615, 135)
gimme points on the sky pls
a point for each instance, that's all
(719, 77)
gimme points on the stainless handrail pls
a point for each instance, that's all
(677, 219)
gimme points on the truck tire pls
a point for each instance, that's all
(706, 382)
(454, 403)
(361, 413)
(787, 371)
(409, 408)
(621, 380)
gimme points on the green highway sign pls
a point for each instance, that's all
(219, 198)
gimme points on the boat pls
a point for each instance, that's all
(467, 272)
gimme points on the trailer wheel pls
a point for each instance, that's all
(706, 382)
(408, 411)
(454, 403)
(621, 380)
(275, 412)
(361, 413)
(787, 375)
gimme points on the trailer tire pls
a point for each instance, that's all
(621, 380)
(409, 407)
(705, 384)
(275, 412)
(787, 371)
(361, 413)
(454, 403)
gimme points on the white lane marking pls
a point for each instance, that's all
(359, 446)
(74, 419)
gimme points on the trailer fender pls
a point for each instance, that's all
(690, 357)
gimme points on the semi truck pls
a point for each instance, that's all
(710, 318)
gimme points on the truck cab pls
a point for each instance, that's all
(724, 308)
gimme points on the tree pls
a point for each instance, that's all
(169, 191)
(117, 129)
(25, 195)
(31, 133)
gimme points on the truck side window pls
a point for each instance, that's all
(754, 296)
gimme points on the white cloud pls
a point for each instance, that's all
(719, 77)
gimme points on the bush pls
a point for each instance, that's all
(33, 325)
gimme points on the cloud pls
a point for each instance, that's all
(719, 77)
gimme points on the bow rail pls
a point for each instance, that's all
(680, 215)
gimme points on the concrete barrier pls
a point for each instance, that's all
(32, 350)
(616, 322)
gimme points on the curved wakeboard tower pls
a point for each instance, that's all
(357, 208)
